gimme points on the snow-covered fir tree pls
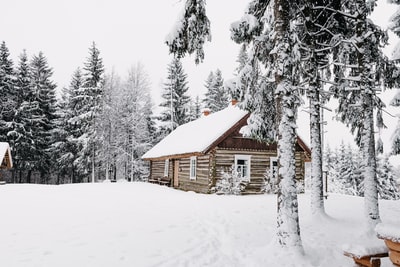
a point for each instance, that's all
(216, 97)
(20, 136)
(43, 115)
(395, 148)
(88, 110)
(346, 174)
(175, 98)
(254, 91)
(194, 109)
(69, 129)
(7, 98)
(387, 185)
(318, 31)
(191, 31)
(275, 45)
(362, 68)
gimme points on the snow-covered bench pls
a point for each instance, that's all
(366, 255)
(391, 235)
(160, 180)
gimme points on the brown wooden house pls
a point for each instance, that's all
(195, 155)
(5, 158)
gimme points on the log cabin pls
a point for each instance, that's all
(6, 162)
(197, 154)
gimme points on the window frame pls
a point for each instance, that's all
(193, 168)
(247, 158)
(166, 168)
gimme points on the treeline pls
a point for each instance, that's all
(344, 168)
(101, 124)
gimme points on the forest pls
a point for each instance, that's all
(321, 49)
(98, 127)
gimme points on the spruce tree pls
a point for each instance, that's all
(194, 109)
(20, 137)
(318, 31)
(7, 97)
(387, 186)
(69, 130)
(191, 34)
(88, 110)
(363, 68)
(43, 114)
(216, 97)
(175, 98)
(395, 148)
(281, 58)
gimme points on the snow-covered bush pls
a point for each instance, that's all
(231, 183)
(270, 183)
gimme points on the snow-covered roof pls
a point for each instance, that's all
(197, 136)
(5, 155)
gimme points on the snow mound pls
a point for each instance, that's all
(388, 231)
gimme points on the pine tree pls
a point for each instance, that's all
(194, 109)
(7, 97)
(175, 98)
(20, 136)
(42, 114)
(367, 68)
(395, 149)
(254, 91)
(216, 97)
(281, 57)
(387, 186)
(68, 130)
(318, 30)
(88, 110)
(190, 34)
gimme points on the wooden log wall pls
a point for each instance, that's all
(211, 167)
(260, 162)
(201, 183)
(157, 169)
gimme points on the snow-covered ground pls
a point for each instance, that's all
(139, 224)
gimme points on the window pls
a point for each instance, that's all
(166, 168)
(274, 168)
(193, 166)
(242, 166)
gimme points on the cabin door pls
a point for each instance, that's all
(176, 173)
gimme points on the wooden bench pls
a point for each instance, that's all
(160, 180)
(391, 235)
(370, 260)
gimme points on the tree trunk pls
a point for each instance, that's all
(367, 85)
(317, 189)
(28, 176)
(286, 105)
(93, 165)
(371, 203)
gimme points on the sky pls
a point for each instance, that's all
(131, 31)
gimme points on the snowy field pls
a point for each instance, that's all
(138, 224)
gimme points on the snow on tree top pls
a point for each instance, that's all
(197, 136)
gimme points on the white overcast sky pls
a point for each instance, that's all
(131, 31)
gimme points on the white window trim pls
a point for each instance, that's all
(193, 169)
(166, 168)
(271, 161)
(248, 159)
